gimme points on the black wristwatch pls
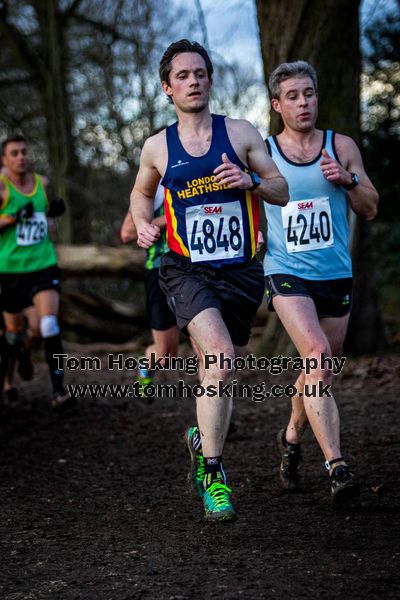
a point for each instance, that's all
(354, 181)
(256, 181)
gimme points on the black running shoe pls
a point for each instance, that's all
(290, 458)
(62, 403)
(343, 484)
(25, 367)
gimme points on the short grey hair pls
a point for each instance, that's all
(287, 70)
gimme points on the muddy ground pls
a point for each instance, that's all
(96, 505)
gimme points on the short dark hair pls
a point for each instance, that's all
(179, 48)
(287, 70)
(17, 137)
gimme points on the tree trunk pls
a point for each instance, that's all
(326, 34)
(308, 30)
(56, 108)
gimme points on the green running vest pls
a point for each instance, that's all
(25, 247)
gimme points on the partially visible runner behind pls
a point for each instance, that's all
(162, 320)
(28, 264)
(210, 165)
(307, 265)
(21, 360)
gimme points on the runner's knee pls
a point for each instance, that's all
(318, 350)
(49, 326)
(220, 366)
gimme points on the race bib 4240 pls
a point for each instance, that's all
(32, 231)
(307, 225)
(215, 231)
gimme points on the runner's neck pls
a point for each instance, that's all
(194, 123)
(24, 182)
(195, 132)
(300, 146)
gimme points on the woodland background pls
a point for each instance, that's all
(79, 78)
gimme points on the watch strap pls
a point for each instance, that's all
(353, 184)
(256, 181)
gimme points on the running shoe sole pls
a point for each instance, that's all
(227, 516)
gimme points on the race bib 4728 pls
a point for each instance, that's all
(32, 231)
(215, 231)
(307, 224)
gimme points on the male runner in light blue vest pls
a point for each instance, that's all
(307, 264)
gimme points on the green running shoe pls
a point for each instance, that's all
(217, 504)
(144, 383)
(197, 465)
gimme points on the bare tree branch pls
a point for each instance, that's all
(71, 10)
(25, 54)
(103, 28)
(202, 23)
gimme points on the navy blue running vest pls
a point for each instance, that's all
(206, 222)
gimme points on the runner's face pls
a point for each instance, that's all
(15, 158)
(189, 85)
(297, 104)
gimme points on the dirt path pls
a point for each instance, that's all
(96, 505)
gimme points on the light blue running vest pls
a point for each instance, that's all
(309, 237)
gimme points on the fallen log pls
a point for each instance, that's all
(87, 317)
(90, 260)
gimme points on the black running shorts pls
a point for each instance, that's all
(18, 289)
(159, 313)
(236, 291)
(332, 297)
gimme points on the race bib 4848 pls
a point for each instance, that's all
(307, 225)
(215, 231)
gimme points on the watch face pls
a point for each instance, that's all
(354, 182)
(255, 178)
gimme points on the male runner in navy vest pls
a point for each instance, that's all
(307, 264)
(210, 165)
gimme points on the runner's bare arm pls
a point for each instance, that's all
(160, 221)
(128, 231)
(251, 148)
(142, 196)
(5, 220)
(364, 197)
